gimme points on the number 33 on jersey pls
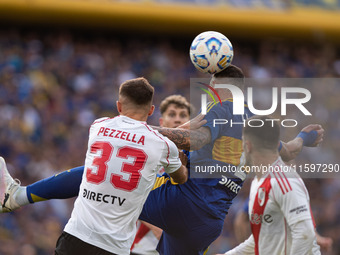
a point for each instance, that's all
(122, 159)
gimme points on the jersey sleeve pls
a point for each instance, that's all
(304, 238)
(94, 124)
(215, 118)
(100, 120)
(292, 196)
(170, 159)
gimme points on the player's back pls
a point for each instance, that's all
(120, 169)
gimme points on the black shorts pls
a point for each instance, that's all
(70, 245)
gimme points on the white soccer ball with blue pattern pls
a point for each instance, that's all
(211, 52)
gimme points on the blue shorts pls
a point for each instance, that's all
(188, 229)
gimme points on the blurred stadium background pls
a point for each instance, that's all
(61, 61)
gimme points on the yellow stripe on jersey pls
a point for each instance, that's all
(162, 180)
(228, 150)
(62, 172)
(210, 105)
(36, 198)
(173, 182)
(232, 100)
(206, 251)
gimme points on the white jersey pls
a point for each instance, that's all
(277, 201)
(120, 169)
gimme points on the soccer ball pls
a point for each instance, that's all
(211, 52)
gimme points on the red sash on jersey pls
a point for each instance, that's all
(142, 231)
(260, 202)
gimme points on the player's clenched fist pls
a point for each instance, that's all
(312, 135)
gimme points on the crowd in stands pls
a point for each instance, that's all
(54, 84)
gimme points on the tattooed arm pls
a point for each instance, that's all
(187, 139)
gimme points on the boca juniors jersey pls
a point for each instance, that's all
(121, 163)
(215, 195)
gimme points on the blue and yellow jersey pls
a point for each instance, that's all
(216, 195)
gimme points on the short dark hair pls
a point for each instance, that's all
(232, 73)
(177, 100)
(138, 91)
(266, 136)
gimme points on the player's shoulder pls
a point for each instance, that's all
(280, 183)
(100, 120)
(284, 182)
(225, 102)
(156, 136)
(122, 120)
(220, 106)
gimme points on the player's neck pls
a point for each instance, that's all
(135, 115)
(264, 160)
(224, 94)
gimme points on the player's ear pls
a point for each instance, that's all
(212, 81)
(248, 146)
(152, 108)
(119, 106)
(161, 121)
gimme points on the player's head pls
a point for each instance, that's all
(231, 75)
(135, 98)
(260, 136)
(175, 111)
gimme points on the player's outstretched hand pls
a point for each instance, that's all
(312, 135)
(325, 243)
(194, 123)
(183, 158)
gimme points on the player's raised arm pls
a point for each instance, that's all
(310, 136)
(194, 123)
(190, 135)
(187, 139)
